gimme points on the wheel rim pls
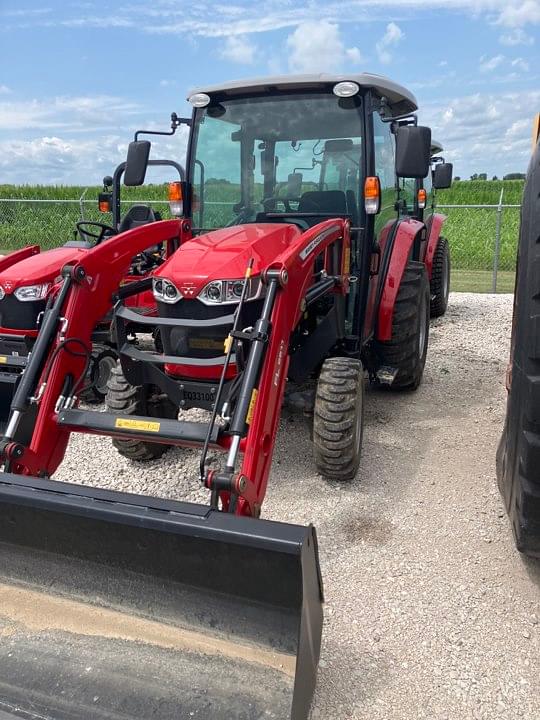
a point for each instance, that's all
(104, 368)
(422, 333)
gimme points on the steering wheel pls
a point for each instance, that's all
(97, 236)
(285, 200)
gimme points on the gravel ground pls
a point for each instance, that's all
(430, 612)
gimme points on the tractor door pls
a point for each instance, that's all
(386, 220)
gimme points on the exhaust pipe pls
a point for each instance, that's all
(115, 605)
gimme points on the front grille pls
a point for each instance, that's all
(17, 315)
(206, 342)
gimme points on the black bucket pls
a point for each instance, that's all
(123, 606)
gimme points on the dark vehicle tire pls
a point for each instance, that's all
(518, 454)
(406, 351)
(102, 363)
(146, 400)
(338, 422)
(440, 278)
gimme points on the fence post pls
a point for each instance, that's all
(497, 243)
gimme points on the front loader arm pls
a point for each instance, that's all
(298, 263)
(92, 284)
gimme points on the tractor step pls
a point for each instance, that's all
(160, 430)
(386, 375)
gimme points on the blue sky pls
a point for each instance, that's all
(77, 78)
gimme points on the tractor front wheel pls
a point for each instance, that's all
(146, 400)
(405, 353)
(440, 278)
(102, 362)
(338, 421)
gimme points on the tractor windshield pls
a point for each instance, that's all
(256, 158)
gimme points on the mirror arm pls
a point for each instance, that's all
(175, 123)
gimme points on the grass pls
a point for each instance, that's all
(471, 232)
(481, 281)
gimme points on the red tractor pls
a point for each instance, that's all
(273, 284)
(28, 276)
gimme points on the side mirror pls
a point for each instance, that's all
(413, 146)
(137, 162)
(442, 176)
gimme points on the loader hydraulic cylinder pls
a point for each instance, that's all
(261, 332)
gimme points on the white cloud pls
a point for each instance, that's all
(243, 17)
(82, 160)
(484, 132)
(65, 112)
(4, 90)
(490, 64)
(520, 64)
(239, 50)
(354, 55)
(443, 63)
(519, 13)
(517, 36)
(390, 39)
(318, 47)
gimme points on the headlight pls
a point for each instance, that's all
(227, 292)
(29, 293)
(165, 291)
(2, 293)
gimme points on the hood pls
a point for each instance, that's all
(224, 254)
(42, 268)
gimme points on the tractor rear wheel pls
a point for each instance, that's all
(102, 363)
(440, 278)
(405, 353)
(146, 400)
(338, 421)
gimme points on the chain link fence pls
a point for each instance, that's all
(483, 245)
(483, 238)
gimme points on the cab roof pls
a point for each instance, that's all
(400, 100)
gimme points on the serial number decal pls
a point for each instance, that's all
(143, 425)
(317, 241)
(3, 359)
(198, 395)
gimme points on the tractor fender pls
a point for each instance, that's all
(432, 240)
(400, 253)
(6, 261)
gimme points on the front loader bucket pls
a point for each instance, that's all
(119, 606)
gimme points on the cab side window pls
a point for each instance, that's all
(385, 169)
(407, 194)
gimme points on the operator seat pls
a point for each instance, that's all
(136, 216)
(330, 202)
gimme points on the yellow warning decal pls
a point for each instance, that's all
(202, 343)
(251, 408)
(347, 261)
(3, 359)
(144, 425)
